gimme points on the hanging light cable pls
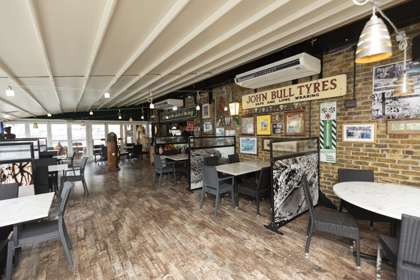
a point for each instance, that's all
(197, 101)
(151, 106)
(119, 114)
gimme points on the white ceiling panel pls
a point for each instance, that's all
(43, 89)
(93, 91)
(69, 89)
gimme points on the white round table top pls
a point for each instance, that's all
(391, 200)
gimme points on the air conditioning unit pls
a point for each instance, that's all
(169, 104)
(292, 68)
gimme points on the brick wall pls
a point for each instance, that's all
(394, 158)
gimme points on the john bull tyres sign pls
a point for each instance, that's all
(318, 89)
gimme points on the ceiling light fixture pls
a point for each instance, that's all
(174, 108)
(130, 119)
(151, 106)
(197, 101)
(91, 112)
(107, 95)
(375, 41)
(49, 115)
(119, 115)
(10, 92)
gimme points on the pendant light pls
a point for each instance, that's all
(375, 41)
(49, 115)
(91, 113)
(142, 113)
(119, 114)
(151, 106)
(107, 95)
(197, 101)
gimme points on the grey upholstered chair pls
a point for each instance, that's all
(217, 186)
(8, 191)
(33, 233)
(70, 161)
(163, 167)
(330, 221)
(405, 252)
(79, 175)
(257, 188)
(233, 158)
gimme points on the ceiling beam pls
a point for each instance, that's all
(173, 12)
(225, 36)
(296, 34)
(19, 84)
(38, 34)
(15, 106)
(215, 16)
(102, 29)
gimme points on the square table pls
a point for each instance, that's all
(177, 157)
(241, 168)
(58, 167)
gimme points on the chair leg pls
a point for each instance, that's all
(358, 253)
(160, 178)
(233, 197)
(202, 197)
(85, 188)
(258, 204)
(67, 252)
(67, 236)
(340, 207)
(9, 262)
(378, 263)
(308, 240)
(216, 206)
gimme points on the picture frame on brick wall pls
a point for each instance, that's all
(247, 126)
(359, 132)
(264, 125)
(248, 145)
(403, 126)
(294, 123)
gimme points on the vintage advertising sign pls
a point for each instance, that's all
(328, 132)
(318, 89)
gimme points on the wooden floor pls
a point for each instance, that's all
(129, 228)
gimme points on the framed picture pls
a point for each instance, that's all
(247, 126)
(277, 128)
(359, 132)
(248, 145)
(287, 146)
(230, 132)
(220, 131)
(208, 127)
(264, 125)
(206, 111)
(294, 123)
(403, 127)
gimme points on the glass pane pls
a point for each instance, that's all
(59, 138)
(17, 129)
(98, 134)
(78, 134)
(38, 130)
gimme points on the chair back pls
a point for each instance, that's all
(40, 174)
(8, 191)
(264, 178)
(350, 175)
(159, 162)
(308, 198)
(408, 262)
(83, 166)
(211, 161)
(233, 158)
(210, 176)
(72, 158)
(64, 197)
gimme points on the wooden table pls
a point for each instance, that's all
(391, 200)
(241, 168)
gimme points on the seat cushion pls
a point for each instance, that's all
(331, 221)
(35, 232)
(389, 247)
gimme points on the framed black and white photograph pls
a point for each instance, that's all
(208, 127)
(248, 145)
(206, 111)
(247, 126)
(277, 128)
(359, 132)
(287, 146)
(220, 131)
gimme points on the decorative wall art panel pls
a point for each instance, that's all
(328, 132)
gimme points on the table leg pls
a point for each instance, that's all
(235, 188)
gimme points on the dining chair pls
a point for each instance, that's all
(70, 160)
(211, 161)
(403, 253)
(257, 188)
(43, 180)
(33, 233)
(330, 221)
(8, 191)
(233, 158)
(162, 168)
(78, 175)
(216, 186)
(351, 175)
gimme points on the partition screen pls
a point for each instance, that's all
(202, 147)
(293, 160)
(15, 162)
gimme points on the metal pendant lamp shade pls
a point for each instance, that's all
(374, 42)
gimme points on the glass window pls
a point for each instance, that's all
(115, 128)
(39, 130)
(59, 138)
(98, 134)
(17, 129)
(78, 135)
(129, 136)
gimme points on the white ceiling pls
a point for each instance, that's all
(62, 55)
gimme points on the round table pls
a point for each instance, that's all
(391, 200)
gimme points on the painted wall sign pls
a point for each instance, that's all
(313, 90)
(328, 132)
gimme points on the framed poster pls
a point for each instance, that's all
(247, 126)
(208, 127)
(359, 132)
(230, 132)
(264, 125)
(294, 123)
(220, 131)
(277, 128)
(287, 146)
(206, 113)
(403, 126)
(248, 145)
(328, 131)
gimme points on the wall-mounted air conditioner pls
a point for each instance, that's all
(291, 68)
(169, 104)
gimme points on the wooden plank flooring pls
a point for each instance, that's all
(129, 228)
